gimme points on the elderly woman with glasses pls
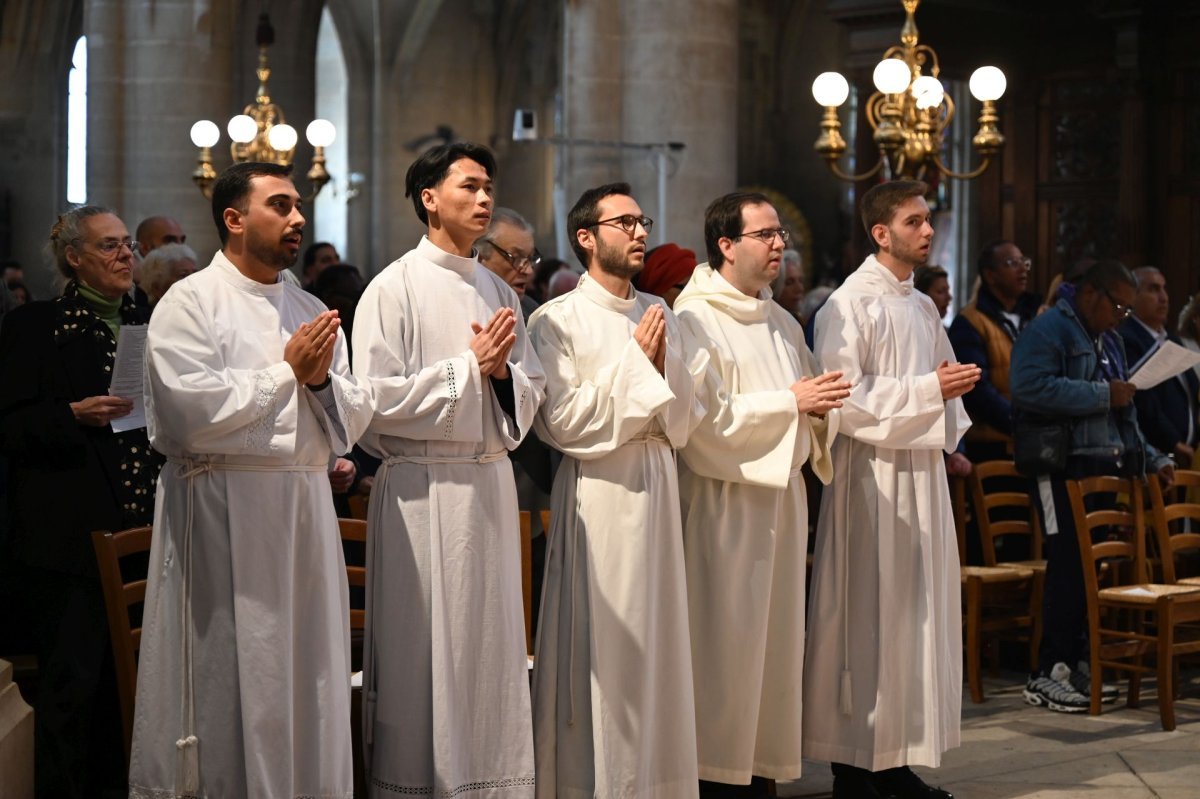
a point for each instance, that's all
(71, 473)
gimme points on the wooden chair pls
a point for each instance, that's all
(995, 599)
(1171, 537)
(119, 597)
(1117, 535)
(1003, 511)
(354, 533)
(527, 571)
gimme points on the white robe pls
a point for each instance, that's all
(612, 684)
(446, 683)
(267, 618)
(745, 528)
(883, 678)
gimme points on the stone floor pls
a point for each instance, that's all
(1011, 749)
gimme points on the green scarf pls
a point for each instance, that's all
(108, 310)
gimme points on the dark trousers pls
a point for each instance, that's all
(758, 787)
(1064, 603)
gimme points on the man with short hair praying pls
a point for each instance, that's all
(440, 341)
(613, 706)
(883, 671)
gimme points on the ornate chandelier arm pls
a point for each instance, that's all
(945, 170)
(835, 169)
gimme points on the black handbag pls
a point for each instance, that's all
(1040, 443)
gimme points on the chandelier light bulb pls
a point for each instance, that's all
(928, 92)
(205, 133)
(830, 89)
(988, 83)
(282, 138)
(892, 76)
(242, 129)
(320, 133)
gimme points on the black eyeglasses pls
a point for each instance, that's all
(516, 259)
(766, 235)
(628, 223)
(1123, 311)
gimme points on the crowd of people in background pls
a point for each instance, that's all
(674, 416)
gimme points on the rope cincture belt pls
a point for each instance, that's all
(187, 777)
(430, 460)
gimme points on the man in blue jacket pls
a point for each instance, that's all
(1067, 372)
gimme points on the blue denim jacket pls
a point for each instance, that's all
(1054, 374)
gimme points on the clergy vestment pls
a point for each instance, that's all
(883, 677)
(745, 528)
(446, 675)
(245, 656)
(613, 706)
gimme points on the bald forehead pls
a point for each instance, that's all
(155, 227)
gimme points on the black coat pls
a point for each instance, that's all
(66, 479)
(1163, 410)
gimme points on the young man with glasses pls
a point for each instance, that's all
(1068, 370)
(612, 685)
(769, 411)
(440, 340)
(883, 670)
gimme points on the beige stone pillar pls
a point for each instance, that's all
(16, 739)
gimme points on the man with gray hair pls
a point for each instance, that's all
(506, 248)
(163, 267)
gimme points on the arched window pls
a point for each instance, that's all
(77, 125)
(331, 104)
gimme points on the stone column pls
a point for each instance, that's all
(16, 739)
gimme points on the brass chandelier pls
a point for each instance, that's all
(910, 111)
(260, 132)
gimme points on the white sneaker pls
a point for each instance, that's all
(1081, 681)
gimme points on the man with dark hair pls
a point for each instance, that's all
(883, 676)
(612, 685)
(1067, 375)
(983, 333)
(1166, 412)
(243, 682)
(317, 258)
(745, 506)
(441, 341)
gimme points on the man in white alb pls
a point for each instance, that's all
(613, 705)
(745, 510)
(244, 671)
(883, 671)
(440, 341)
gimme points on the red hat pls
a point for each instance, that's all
(666, 266)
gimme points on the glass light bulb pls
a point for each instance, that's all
(242, 128)
(282, 138)
(320, 133)
(892, 76)
(928, 92)
(205, 133)
(988, 83)
(830, 89)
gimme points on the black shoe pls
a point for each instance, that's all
(854, 783)
(902, 783)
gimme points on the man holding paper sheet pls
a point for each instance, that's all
(244, 677)
(72, 472)
(1068, 375)
(1167, 410)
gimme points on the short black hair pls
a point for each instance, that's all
(987, 255)
(586, 213)
(1104, 275)
(879, 204)
(233, 187)
(723, 220)
(431, 167)
(925, 275)
(310, 254)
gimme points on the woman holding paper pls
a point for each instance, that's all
(69, 474)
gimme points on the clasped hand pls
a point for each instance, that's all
(310, 349)
(493, 342)
(957, 379)
(821, 394)
(651, 335)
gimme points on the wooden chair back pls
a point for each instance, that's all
(119, 597)
(1001, 510)
(1171, 537)
(1108, 532)
(355, 531)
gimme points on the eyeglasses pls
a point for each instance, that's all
(1024, 263)
(110, 248)
(1123, 311)
(516, 260)
(628, 223)
(766, 235)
